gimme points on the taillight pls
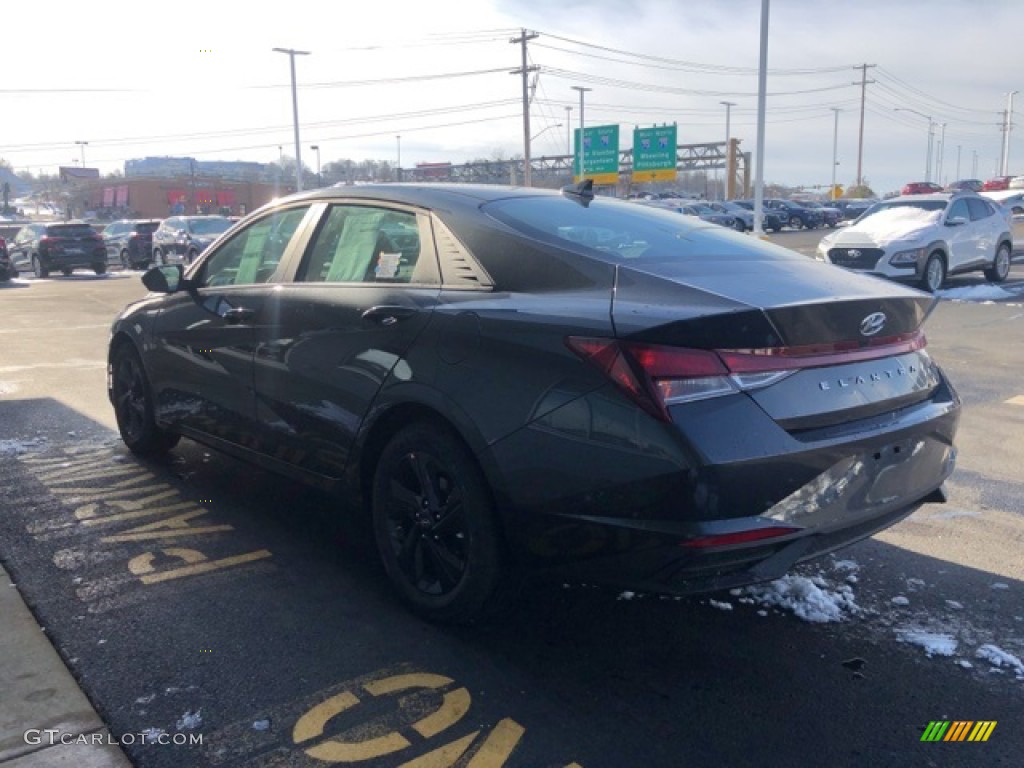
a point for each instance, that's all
(657, 376)
(739, 537)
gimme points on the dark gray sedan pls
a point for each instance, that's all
(510, 381)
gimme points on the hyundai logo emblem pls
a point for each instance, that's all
(853, 253)
(872, 324)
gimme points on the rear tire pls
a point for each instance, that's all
(434, 523)
(133, 405)
(934, 274)
(66, 271)
(1000, 268)
(795, 222)
(99, 269)
(126, 262)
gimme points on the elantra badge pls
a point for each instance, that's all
(872, 324)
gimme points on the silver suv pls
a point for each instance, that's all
(923, 238)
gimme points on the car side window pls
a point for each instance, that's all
(364, 244)
(958, 209)
(979, 209)
(251, 256)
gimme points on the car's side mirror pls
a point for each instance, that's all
(165, 279)
(956, 221)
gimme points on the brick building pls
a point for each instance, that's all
(157, 198)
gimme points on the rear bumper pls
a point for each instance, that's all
(71, 260)
(628, 509)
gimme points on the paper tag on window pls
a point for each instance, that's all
(387, 265)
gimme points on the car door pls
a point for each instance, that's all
(365, 290)
(113, 235)
(961, 236)
(200, 358)
(987, 226)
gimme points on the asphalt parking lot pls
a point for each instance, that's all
(200, 596)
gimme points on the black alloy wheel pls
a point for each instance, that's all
(433, 521)
(133, 406)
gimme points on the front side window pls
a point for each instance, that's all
(251, 256)
(364, 244)
(208, 226)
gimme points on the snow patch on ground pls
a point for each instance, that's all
(18, 447)
(812, 599)
(934, 643)
(997, 657)
(900, 600)
(722, 606)
(976, 293)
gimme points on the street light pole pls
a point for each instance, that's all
(398, 171)
(316, 148)
(931, 134)
(292, 53)
(762, 104)
(582, 152)
(82, 145)
(835, 149)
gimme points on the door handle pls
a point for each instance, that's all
(388, 315)
(239, 315)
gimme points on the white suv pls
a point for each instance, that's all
(923, 238)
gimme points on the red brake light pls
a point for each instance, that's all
(656, 376)
(740, 537)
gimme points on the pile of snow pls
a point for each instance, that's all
(997, 657)
(934, 643)
(812, 599)
(190, 720)
(976, 293)
(17, 447)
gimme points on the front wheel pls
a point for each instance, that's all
(133, 405)
(434, 524)
(99, 269)
(795, 222)
(66, 271)
(934, 274)
(1000, 268)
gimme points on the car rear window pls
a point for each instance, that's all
(146, 227)
(70, 230)
(208, 226)
(622, 231)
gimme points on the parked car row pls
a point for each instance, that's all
(45, 247)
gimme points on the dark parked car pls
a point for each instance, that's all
(7, 270)
(129, 242)
(520, 380)
(183, 238)
(965, 185)
(44, 248)
(771, 220)
(795, 215)
(853, 207)
(830, 215)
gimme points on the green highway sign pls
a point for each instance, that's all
(600, 154)
(654, 153)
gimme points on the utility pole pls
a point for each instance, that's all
(762, 105)
(835, 149)
(525, 71)
(863, 98)
(958, 146)
(1007, 127)
(568, 130)
(730, 164)
(941, 154)
(292, 53)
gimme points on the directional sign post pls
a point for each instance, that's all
(600, 153)
(654, 154)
